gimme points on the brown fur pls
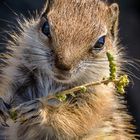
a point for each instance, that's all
(97, 117)
(75, 25)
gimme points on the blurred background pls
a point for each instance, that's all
(129, 35)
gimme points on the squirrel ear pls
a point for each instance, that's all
(46, 7)
(114, 11)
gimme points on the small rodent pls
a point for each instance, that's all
(63, 47)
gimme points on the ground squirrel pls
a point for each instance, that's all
(63, 47)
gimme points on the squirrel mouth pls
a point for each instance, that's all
(62, 78)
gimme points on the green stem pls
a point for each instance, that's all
(83, 88)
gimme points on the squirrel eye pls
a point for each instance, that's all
(46, 29)
(99, 44)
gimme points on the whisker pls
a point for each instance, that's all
(5, 4)
(96, 61)
(133, 66)
(3, 43)
(34, 40)
(38, 60)
(37, 47)
(9, 22)
(128, 72)
(131, 63)
(133, 75)
(96, 66)
(5, 32)
(35, 54)
(38, 54)
(131, 80)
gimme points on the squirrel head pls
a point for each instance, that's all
(78, 33)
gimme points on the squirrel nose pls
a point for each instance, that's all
(62, 65)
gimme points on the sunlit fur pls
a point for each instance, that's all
(30, 73)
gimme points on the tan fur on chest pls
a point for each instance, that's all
(97, 117)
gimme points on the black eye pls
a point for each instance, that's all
(46, 29)
(99, 44)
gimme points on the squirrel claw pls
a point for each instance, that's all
(4, 113)
(27, 111)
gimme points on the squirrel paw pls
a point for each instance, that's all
(4, 113)
(27, 111)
